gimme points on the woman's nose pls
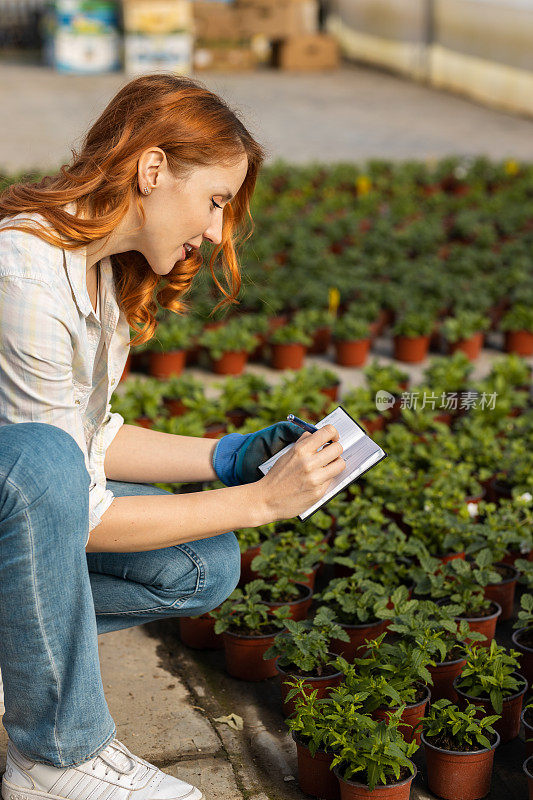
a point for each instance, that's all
(214, 232)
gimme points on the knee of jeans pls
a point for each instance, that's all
(222, 570)
(35, 456)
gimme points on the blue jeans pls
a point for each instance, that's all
(55, 598)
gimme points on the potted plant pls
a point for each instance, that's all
(523, 636)
(140, 402)
(375, 761)
(461, 584)
(361, 405)
(449, 375)
(316, 378)
(173, 337)
(250, 541)
(303, 651)
(285, 591)
(287, 554)
(356, 603)
(459, 748)
(178, 387)
(464, 332)
(317, 322)
(199, 633)
(289, 345)
(248, 629)
(239, 397)
(411, 334)
(489, 679)
(352, 341)
(228, 347)
(518, 326)
(391, 674)
(311, 725)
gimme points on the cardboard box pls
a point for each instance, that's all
(273, 19)
(157, 16)
(216, 21)
(232, 58)
(307, 52)
(145, 52)
(277, 19)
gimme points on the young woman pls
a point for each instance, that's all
(87, 545)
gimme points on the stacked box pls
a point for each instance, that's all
(82, 36)
(307, 52)
(157, 36)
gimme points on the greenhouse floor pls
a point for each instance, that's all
(350, 114)
(165, 699)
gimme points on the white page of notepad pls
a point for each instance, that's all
(360, 453)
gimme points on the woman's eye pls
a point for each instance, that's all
(215, 205)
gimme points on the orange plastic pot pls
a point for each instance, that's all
(288, 356)
(144, 422)
(526, 655)
(322, 686)
(231, 363)
(508, 725)
(372, 425)
(470, 347)
(247, 573)
(176, 408)
(485, 625)
(237, 416)
(358, 635)
(244, 656)
(199, 633)
(411, 716)
(351, 790)
(443, 675)
(520, 342)
(332, 391)
(503, 593)
(321, 341)
(314, 774)
(163, 365)
(298, 609)
(444, 559)
(352, 353)
(457, 775)
(528, 730)
(528, 769)
(214, 430)
(411, 349)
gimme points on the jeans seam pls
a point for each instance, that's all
(94, 753)
(39, 615)
(200, 585)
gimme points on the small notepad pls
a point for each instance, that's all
(360, 453)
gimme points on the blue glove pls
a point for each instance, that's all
(237, 455)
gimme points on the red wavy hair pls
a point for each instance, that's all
(194, 127)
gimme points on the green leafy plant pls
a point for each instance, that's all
(177, 332)
(350, 329)
(232, 337)
(488, 674)
(304, 645)
(463, 325)
(449, 374)
(448, 728)
(244, 612)
(355, 600)
(518, 318)
(386, 377)
(287, 555)
(312, 319)
(291, 333)
(525, 615)
(413, 324)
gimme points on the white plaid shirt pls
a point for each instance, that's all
(49, 334)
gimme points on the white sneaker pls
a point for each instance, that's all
(114, 774)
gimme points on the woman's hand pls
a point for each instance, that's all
(302, 476)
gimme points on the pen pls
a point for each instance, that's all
(301, 423)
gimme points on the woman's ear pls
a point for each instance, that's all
(150, 162)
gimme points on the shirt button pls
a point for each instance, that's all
(113, 382)
(77, 402)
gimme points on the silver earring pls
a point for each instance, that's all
(146, 190)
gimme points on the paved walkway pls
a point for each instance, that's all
(354, 113)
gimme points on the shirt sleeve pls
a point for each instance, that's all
(36, 376)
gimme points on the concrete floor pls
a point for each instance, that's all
(354, 113)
